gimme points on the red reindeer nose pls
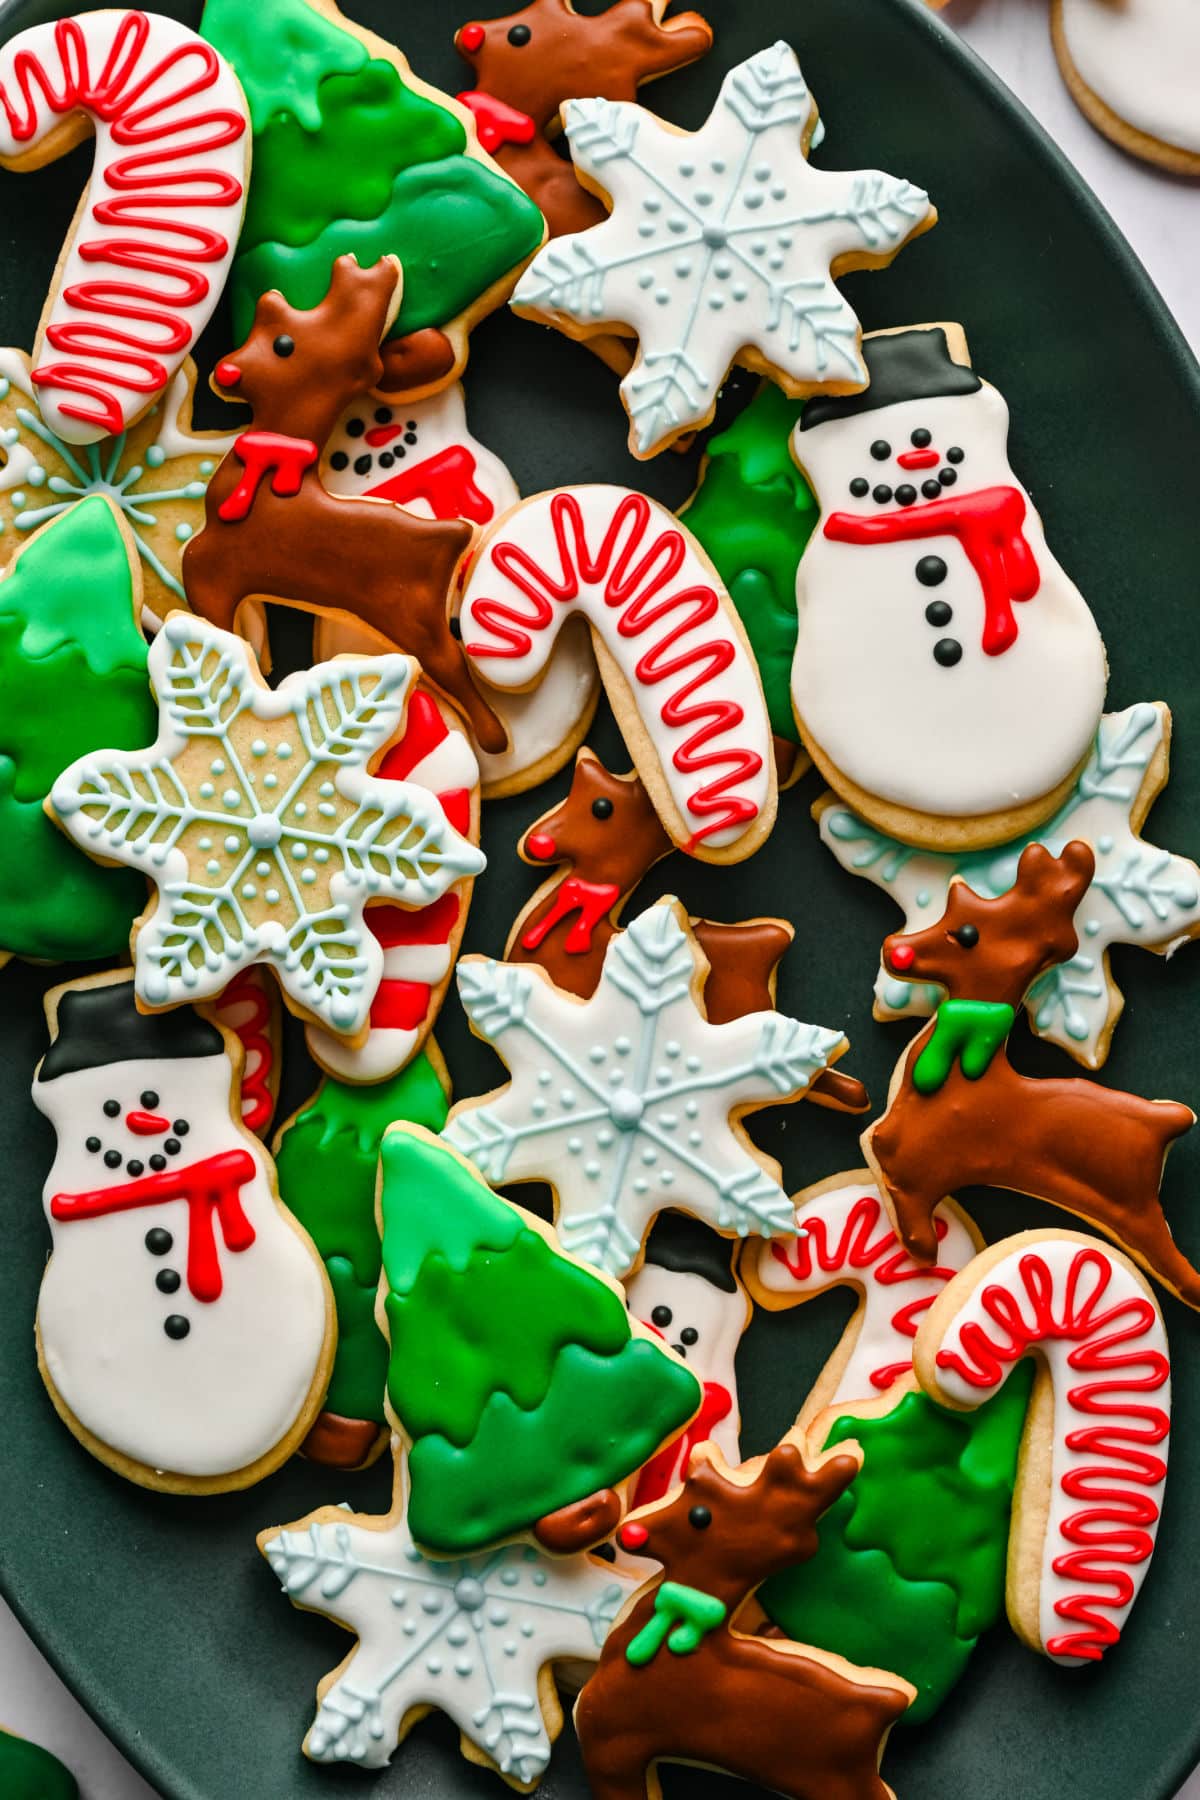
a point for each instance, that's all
(901, 957)
(147, 1124)
(470, 38)
(632, 1537)
(228, 374)
(918, 459)
(541, 845)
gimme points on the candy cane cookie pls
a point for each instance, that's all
(153, 238)
(1094, 1455)
(672, 651)
(845, 1239)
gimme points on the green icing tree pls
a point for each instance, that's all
(349, 156)
(754, 513)
(514, 1370)
(326, 1161)
(72, 679)
(913, 1556)
(27, 1772)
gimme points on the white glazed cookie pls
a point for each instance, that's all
(722, 246)
(185, 1326)
(1134, 70)
(153, 238)
(948, 677)
(1094, 1453)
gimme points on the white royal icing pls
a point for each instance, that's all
(168, 187)
(990, 733)
(719, 240)
(705, 1328)
(223, 1395)
(667, 625)
(1142, 58)
(1100, 1332)
(622, 1102)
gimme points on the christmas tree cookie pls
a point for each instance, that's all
(72, 678)
(524, 1388)
(326, 1156)
(352, 152)
(27, 1772)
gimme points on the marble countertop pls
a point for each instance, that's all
(1151, 209)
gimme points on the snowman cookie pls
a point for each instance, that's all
(948, 677)
(184, 1325)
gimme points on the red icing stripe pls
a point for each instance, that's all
(456, 804)
(397, 925)
(400, 1005)
(424, 730)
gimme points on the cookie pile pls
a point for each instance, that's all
(860, 583)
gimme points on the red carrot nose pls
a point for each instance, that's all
(902, 956)
(147, 1124)
(541, 846)
(470, 38)
(632, 1537)
(228, 374)
(918, 459)
(379, 435)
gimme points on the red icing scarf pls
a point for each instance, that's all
(284, 459)
(212, 1185)
(988, 526)
(496, 122)
(671, 1463)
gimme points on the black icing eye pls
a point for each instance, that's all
(602, 808)
(881, 449)
(921, 439)
(149, 1099)
(383, 415)
(954, 454)
(689, 1336)
(661, 1316)
(354, 428)
(283, 345)
(699, 1518)
(967, 936)
(519, 35)
(111, 1108)
(860, 487)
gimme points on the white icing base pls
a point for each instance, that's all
(1142, 58)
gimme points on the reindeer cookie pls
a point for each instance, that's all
(672, 652)
(948, 677)
(721, 247)
(184, 1323)
(678, 1681)
(1094, 1454)
(960, 1115)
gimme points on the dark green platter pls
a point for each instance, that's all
(159, 1612)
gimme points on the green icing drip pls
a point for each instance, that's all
(513, 1369)
(326, 1163)
(911, 1567)
(754, 513)
(73, 676)
(27, 1772)
(965, 1031)
(348, 157)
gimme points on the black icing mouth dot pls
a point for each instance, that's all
(954, 454)
(882, 494)
(689, 1336)
(905, 495)
(398, 436)
(179, 1127)
(947, 477)
(158, 1163)
(931, 489)
(135, 1167)
(112, 1159)
(172, 1146)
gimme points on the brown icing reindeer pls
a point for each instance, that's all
(273, 531)
(528, 62)
(606, 836)
(959, 1114)
(678, 1682)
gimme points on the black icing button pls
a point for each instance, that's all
(176, 1326)
(947, 651)
(158, 1240)
(931, 571)
(939, 612)
(167, 1281)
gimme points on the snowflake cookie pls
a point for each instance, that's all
(721, 247)
(472, 1637)
(630, 1102)
(254, 817)
(1139, 894)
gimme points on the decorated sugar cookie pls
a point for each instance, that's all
(681, 1681)
(489, 1629)
(353, 152)
(845, 1238)
(1094, 1454)
(250, 1008)
(184, 1325)
(527, 1393)
(1138, 895)
(27, 1772)
(72, 681)
(672, 652)
(254, 817)
(631, 1102)
(155, 474)
(960, 1115)
(1133, 69)
(153, 239)
(948, 678)
(720, 247)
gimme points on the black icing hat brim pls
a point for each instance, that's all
(903, 366)
(101, 1025)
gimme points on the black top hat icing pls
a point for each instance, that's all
(682, 1244)
(902, 365)
(102, 1025)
